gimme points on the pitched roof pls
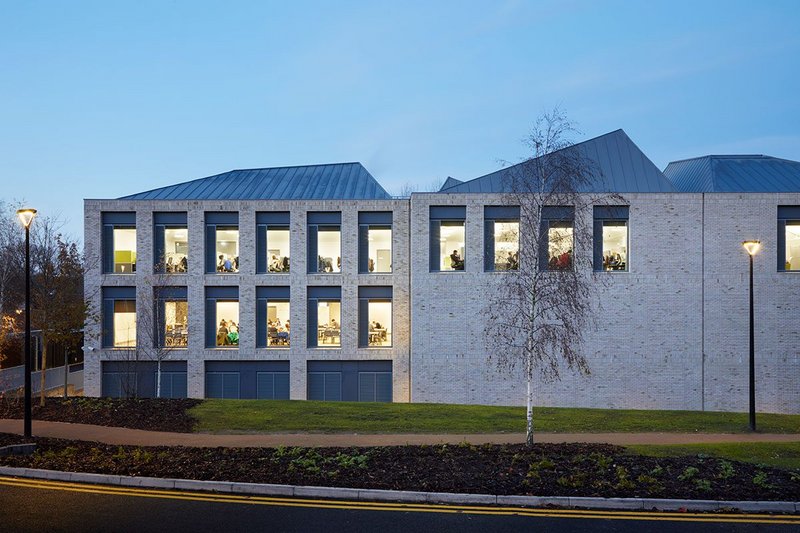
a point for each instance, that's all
(734, 173)
(450, 182)
(340, 181)
(621, 166)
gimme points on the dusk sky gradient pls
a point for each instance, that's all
(104, 99)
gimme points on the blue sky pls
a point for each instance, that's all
(103, 99)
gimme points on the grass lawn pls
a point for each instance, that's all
(777, 454)
(352, 417)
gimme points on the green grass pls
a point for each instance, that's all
(778, 454)
(351, 417)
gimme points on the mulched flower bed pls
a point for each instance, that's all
(142, 413)
(546, 469)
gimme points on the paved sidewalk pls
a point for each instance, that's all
(110, 435)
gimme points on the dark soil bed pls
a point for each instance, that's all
(143, 413)
(547, 469)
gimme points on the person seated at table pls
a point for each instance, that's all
(183, 265)
(274, 264)
(334, 323)
(221, 263)
(456, 262)
(511, 261)
(222, 333)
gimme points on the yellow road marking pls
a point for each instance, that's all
(388, 506)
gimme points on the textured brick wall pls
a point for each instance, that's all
(197, 280)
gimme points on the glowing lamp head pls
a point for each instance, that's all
(26, 216)
(752, 247)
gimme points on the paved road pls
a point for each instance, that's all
(36, 506)
(138, 437)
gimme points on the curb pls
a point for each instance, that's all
(264, 489)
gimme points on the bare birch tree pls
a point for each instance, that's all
(539, 314)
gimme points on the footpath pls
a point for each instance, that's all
(138, 437)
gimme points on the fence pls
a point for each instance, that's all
(13, 378)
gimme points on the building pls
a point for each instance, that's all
(379, 310)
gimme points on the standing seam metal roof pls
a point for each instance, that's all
(339, 181)
(621, 167)
(734, 173)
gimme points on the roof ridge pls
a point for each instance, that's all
(296, 166)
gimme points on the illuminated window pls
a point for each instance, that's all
(278, 249)
(119, 243)
(324, 242)
(176, 324)
(324, 317)
(278, 327)
(501, 238)
(374, 316)
(228, 323)
(272, 242)
(447, 238)
(375, 242)
(558, 235)
(611, 238)
(788, 238)
(171, 245)
(124, 323)
(222, 317)
(227, 250)
(222, 243)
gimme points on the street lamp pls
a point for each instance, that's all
(752, 248)
(26, 217)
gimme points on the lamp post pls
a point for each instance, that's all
(26, 217)
(752, 248)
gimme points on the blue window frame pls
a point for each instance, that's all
(272, 317)
(374, 242)
(448, 238)
(170, 243)
(610, 238)
(500, 238)
(119, 242)
(272, 242)
(324, 242)
(324, 316)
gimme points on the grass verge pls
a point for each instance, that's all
(353, 417)
(784, 455)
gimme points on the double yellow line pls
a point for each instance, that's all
(402, 507)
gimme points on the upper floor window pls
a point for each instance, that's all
(501, 237)
(789, 238)
(222, 243)
(374, 242)
(119, 243)
(222, 317)
(374, 316)
(171, 247)
(119, 317)
(447, 238)
(272, 317)
(324, 316)
(272, 242)
(173, 317)
(610, 238)
(557, 240)
(324, 242)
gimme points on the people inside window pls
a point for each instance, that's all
(227, 250)
(124, 250)
(559, 246)
(278, 249)
(176, 250)
(615, 245)
(379, 249)
(278, 331)
(506, 245)
(329, 330)
(176, 323)
(380, 323)
(228, 320)
(793, 245)
(329, 246)
(451, 245)
(124, 323)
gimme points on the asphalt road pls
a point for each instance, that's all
(30, 505)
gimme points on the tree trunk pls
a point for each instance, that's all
(44, 370)
(529, 414)
(158, 379)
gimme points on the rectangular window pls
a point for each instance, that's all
(448, 238)
(374, 316)
(611, 238)
(124, 323)
(176, 324)
(375, 242)
(171, 242)
(224, 385)
(324, 317)
(324, 242)
(501, 238)
(557, 240)
(222, 243)
(119, 243)
(272, 317)
(349, 381)
(789, 238)
(272, 385)
(272, 242)
(222, 317)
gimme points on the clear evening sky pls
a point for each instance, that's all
(103, 99)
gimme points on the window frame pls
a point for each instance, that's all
(613, 214)
(491, 216)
